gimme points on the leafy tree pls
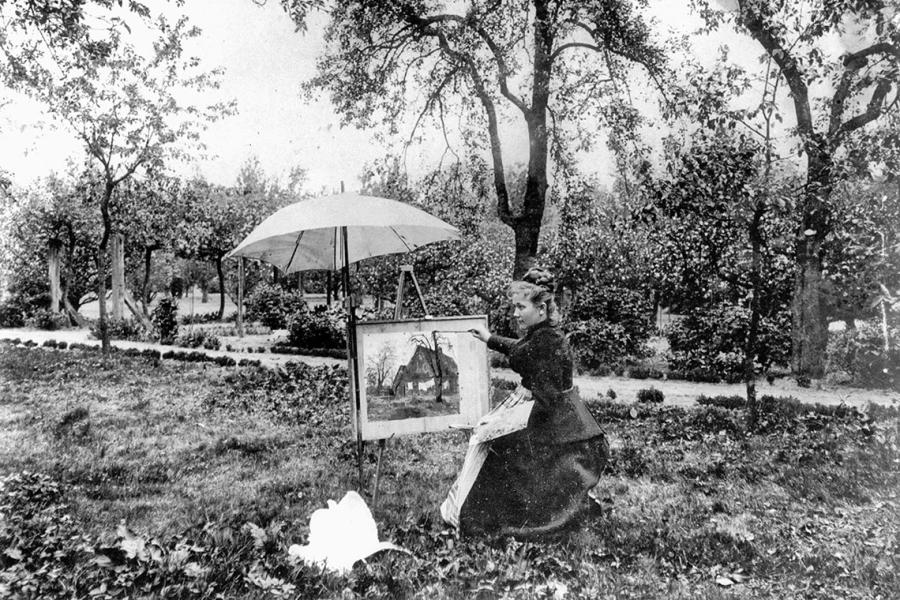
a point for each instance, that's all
(220, 217)
(490, 61)
(51, 213)
(795, 36)
(152, 215)
(122, 105)
(61, 25)
(720, 229)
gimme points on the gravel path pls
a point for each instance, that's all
(676, 392)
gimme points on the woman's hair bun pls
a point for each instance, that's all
(541, 278)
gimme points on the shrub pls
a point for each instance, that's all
(708, 345)
(859, 353)
(121, 329)
(165, 321)
(607, 323)
(651, 395)
(641, 372)
(274, 306)
(315, 330)
(12, 313)
(729, 402)
(44, 318)
(195, 338)
(210, 317)
(596, 342)
(611, 394)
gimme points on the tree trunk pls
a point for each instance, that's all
(809, 334)
(753, 329)
(240, 297)
(102, 324)
(71, 309)
(526, 239)
(221, 275)
(117, 250)
(145, 284)
(53, 273)
(100, 260)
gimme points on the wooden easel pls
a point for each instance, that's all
(405, 270)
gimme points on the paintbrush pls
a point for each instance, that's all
(453, 330)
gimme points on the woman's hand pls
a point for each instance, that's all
(481, 332)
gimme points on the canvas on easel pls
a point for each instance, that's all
(420, 376)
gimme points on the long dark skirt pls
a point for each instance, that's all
(523, 484)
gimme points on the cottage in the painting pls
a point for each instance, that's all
(427, 370)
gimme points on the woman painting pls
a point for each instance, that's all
(535, 481)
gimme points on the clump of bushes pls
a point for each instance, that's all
(650, 395)
(165, 320)
(12, 313)
(327, 352)
(859, 353)
(121, 329)
(315, 329)
(729, 402)
(608, 323)
(273, 306)
(708, 345)
(642, 372)
(44, 318)
(195, 338)
(210, 317)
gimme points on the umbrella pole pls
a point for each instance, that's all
(352, 363)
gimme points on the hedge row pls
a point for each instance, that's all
(149, 353)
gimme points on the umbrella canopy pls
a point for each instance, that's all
(306, 235)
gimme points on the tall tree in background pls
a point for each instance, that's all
(863, 85)
(121, 103)
(151, 213)
(541, 64)
(50, 213)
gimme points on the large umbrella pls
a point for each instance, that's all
(307, 234)
(332, 232)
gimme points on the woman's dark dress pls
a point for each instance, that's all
(539, 476)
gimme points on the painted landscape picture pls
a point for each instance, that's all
(419, 376)
(411, 375)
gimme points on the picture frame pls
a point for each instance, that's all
(420, 376)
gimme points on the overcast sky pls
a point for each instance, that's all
(265, 61)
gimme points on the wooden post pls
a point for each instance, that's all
(240, 298)
(328, 288)
(53, 272)
(117, 248)
(352, 366)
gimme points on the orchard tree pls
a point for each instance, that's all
(50, 218)
(543, 66)
(220, 217)
(122, 105)
(152, 212)
(862, 85)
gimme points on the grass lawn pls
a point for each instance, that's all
(136, 478)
